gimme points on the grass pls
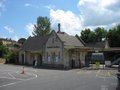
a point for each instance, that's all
(2, 60)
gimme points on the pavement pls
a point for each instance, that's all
(44, 79)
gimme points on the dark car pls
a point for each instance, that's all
(118, 83)
(119, 67)
(118, 77)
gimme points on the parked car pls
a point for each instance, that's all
(119, 67)
(118, 77)
(118, 83)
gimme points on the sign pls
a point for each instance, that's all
(97, 56)
(53, 47)
(107, 63)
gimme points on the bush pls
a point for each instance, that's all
(11, 57)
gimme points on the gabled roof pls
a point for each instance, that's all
(69, 40)
(35, 43)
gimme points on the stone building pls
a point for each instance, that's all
(58, 50)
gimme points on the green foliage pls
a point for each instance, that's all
(1, 43)
(8, 54)
(114, 36)
(21, 41)
(11, 57)
(93, 36)
(100, 33)
(3, 49)
(85, 35)
(42, 27)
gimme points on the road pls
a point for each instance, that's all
(44, 79)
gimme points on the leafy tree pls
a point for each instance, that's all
(93, 36)
(21, 41)
(1, 43)
(100, 33)
(85, 35)
(42, 27)
(114, 36)
(2, 49)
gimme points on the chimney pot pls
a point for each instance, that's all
(58, 27)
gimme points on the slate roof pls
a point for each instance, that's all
(38, 43)
(70, 40)
(96, 44)
(35, 43)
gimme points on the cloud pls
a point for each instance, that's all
(31, 5)
(9, 29)
(29, 27)
(2, 6)
(70, 23)
(92, 14)
(99, 12)
(50, 6)
(27, 4)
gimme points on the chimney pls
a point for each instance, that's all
(106, 43)
(58, 28)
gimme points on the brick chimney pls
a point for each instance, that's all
(58, 28)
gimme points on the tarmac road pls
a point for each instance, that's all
(44, 79)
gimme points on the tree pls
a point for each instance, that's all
(42, 27)
(3, 49)
(114, 36)
(85, 35)
(100, 33)
(21, 41)
(93, 36)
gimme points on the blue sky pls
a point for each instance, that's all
(17, 17)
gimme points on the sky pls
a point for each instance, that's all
(17, 17)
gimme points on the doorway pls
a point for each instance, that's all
(22, 58)
(39, 60)
(72, 64)
(53, 57)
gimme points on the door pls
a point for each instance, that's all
(39, 60)
(22, 58)
(53, 57)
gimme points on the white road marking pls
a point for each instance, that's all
(98, 72)
(114, 84)
(21, 80)
(83, 72)
(11, 75)
(104, 87)
(104, 75)
(109, 74)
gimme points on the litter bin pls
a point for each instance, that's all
(118, 83)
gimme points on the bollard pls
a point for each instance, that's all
(23, 71)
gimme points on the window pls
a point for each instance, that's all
(53, 40)
(56, 39)
(56, 59)
(49, 59)
(59, 55)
